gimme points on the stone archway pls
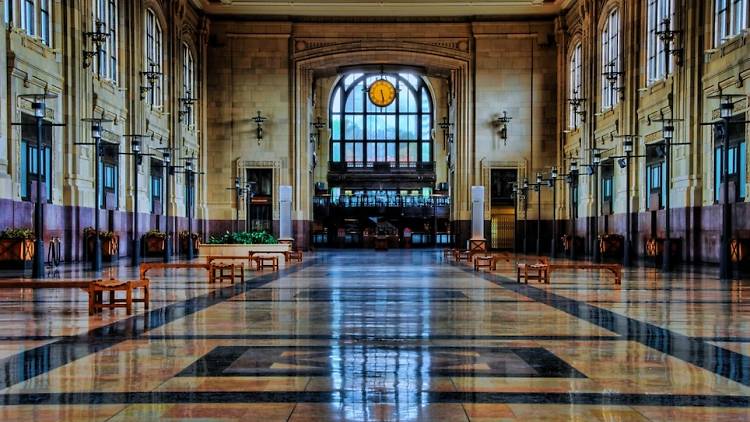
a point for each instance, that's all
(448, 57)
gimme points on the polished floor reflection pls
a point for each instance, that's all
(399, 335)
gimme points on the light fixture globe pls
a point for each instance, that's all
(627, 145)
(668, 131)
(726, 108)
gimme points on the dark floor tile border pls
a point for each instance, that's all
(350, 397)
(30, 363)
(723, 362)
(377, 338)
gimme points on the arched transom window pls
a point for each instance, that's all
(363, 133)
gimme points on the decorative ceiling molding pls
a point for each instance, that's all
(390, 8)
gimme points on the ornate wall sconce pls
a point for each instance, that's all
(446, 126)
(315, 134)
(186, 106)
(259, 120)
(502, 124)
(151, 76)
(667, 35)
(97, 37)
(612, 75)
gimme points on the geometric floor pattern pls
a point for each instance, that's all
(397, 335)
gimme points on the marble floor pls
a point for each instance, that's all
(397, 335)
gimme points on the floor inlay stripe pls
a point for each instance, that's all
(42, 359)
(356, 396)
(726, 363)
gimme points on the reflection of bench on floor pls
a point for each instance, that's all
(615, 269)
(95, 289)
(146, 266)
(537, 271)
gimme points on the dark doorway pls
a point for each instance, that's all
(503, 213)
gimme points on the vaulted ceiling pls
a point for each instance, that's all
(389, 8)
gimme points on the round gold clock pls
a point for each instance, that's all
(382, 93)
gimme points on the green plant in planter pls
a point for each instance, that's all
(90, 232)
(243, 238)
(185, 234)
(156, 233)
(17, 234)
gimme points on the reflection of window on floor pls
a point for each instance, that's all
(28, 162)
(736, 160)
(363, 134)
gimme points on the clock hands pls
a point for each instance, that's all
(382, 96)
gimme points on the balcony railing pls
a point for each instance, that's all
(381, 166)
(364, 201)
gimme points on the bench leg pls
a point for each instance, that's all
(128, 300)
(146, 297)
(91, 301)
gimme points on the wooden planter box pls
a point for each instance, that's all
(611, 245)
(16, 253)
(110, 248)
(184, 245)
(154, 245)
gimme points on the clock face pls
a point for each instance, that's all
(382, 93)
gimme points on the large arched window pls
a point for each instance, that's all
(575, 87)
(363, 134)
(610, 58)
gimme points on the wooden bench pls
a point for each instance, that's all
(270, 252)
(448, 253)
(290, 256)
(238, 270)
(264, 261)
(615, 269)
(460, 255)
(94, 288)
(99, 287)
(147, 266)
(483, 261)
(538, 271)
(503, 256)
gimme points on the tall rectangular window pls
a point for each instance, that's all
(8, 12)
(575, 86)
(658, 65)
(105, 20)
(154, 56)
(736, 160)
(44, 22)
(730, 18)
(610, 55)
(188, 82)
(28, 17)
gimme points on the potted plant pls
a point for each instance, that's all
(154, 242)
(16, 247)
(189, 238)
(244, 238)
(110, 243)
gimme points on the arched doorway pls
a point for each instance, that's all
(381, 178)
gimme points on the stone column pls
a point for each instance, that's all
(285, 214)
(477, 242)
